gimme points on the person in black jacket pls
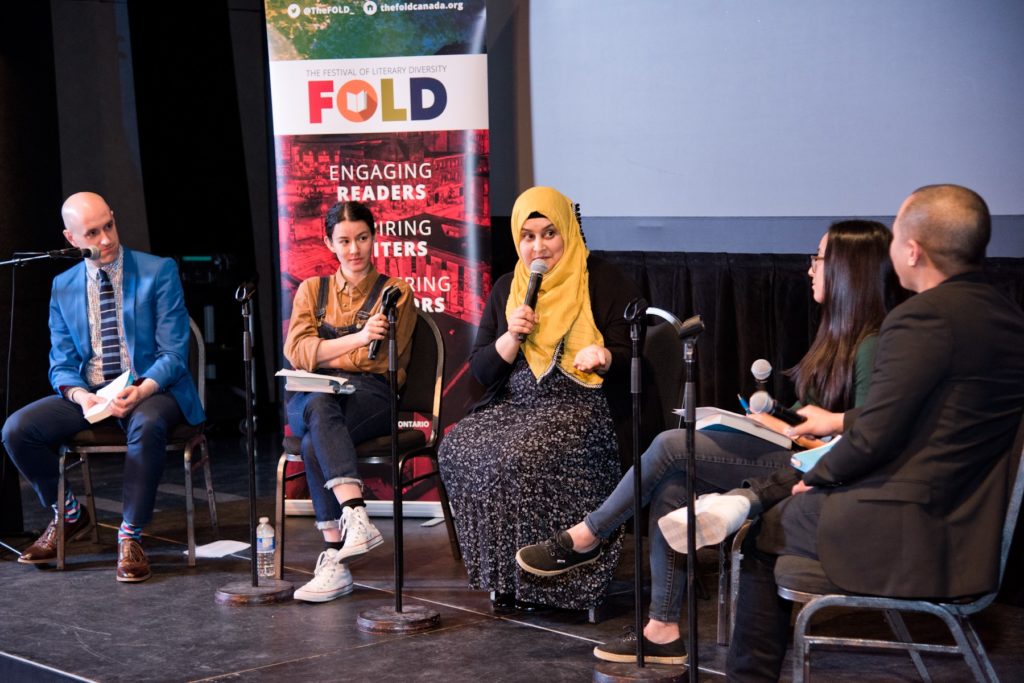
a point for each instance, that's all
(910, 504)
(540, 449)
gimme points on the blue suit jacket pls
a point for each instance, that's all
(155, 324)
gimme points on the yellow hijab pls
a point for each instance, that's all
(563, 304)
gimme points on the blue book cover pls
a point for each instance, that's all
(805, 460)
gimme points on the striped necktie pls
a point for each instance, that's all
(110, 341)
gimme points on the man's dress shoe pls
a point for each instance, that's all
(132, 565)
(44, 550)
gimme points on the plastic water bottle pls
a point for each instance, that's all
(265, 548)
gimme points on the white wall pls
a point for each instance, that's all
(783, 108)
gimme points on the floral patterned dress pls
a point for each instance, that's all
(535, 460)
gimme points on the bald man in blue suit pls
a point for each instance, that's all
(142, 294)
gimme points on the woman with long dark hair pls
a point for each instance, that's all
(852, 278)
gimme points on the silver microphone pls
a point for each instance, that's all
(75, 252)
(761, 370)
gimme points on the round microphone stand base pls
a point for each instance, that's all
(412, 619)
(609, 672)
(268, 592)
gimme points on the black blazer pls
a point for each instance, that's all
(921, 479)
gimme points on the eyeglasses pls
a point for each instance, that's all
(815, 259)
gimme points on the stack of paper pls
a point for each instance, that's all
(299, 380)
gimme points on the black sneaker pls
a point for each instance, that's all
(554, 556)
(623, 649)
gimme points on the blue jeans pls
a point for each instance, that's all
(33, 436)
(725, 460)
(330, 426)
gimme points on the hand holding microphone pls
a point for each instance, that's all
(762, 402)
(388, 302)
(537, 269)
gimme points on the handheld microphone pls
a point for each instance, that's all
(761, 370)
(75, 252)
(762, 402)
(537, 270)
(388, 301)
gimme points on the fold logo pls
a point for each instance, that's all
(359, 101)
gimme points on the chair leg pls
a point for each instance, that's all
(899, 628)
(61, 484)
(279, 517)
(967, 647)
(446, 512)
(211, 497)
(723, 630)
(90, 499)
(977, 649)
(801, 646)
(190, 512)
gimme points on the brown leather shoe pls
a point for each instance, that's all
(44, 550)
(132, 565)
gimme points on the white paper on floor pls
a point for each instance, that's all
(218, 548)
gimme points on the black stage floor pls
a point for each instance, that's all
(81, 624)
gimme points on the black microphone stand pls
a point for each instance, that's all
(11, 520)
(636, 314)
(24, 259)
(269, 590)
(690, 424)
(414, 617)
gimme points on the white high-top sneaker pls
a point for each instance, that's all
(360, 534)
(331, 579)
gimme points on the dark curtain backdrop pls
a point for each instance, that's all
(754, 306)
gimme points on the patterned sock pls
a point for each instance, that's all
(127, 530)
(72, 509)
(354, 503)
(332, 544)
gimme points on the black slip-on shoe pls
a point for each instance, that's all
(623, 649)
(554, 556)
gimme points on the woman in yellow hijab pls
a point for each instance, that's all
(540, 447)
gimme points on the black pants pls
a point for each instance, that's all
(761, 634)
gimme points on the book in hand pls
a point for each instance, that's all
(716, 419)
(300, 380)
(805, 460)
(101, 411)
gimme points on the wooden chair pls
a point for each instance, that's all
(421, 396)
(106, 437)
(803, 580)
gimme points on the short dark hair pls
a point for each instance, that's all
(347, 211)
(952, 223)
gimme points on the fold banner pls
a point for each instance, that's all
(385, 103)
